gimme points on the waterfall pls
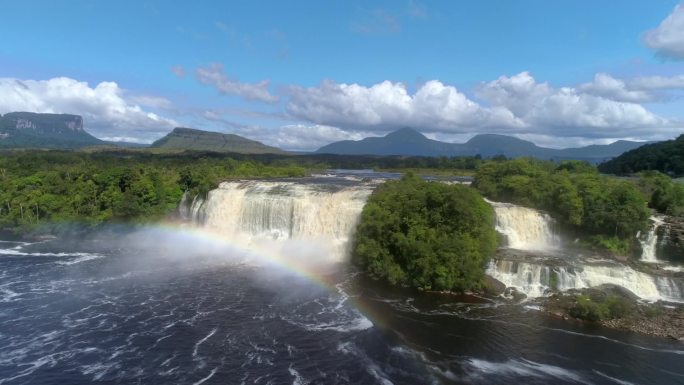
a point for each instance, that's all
(531, 279)
(649, 243)
(258, 211)
(196, 213)
(538, 279)
(184, 207)
(525, 228)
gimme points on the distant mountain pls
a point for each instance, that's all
(407, 141)
(198, 140)
(666, 157)
(33, 130)
(404, 141)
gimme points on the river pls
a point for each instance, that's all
(257, 291)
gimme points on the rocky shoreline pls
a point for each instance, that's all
(658, 319)
(669, 323)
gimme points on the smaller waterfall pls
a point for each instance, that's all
(531, 279)
(649, 243)
(537, 279)
(525, 228)
(184, 207)
(196, 210)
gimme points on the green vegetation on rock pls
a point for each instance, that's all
(596, 308)
(609, 210)
(665, 195)
(427, 235)
(49, 188)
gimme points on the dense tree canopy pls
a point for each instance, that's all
(666, 157)
(53, 187)
(663, 193)
(427, 235)
(573, 192)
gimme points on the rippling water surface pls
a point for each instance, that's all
(94, 313)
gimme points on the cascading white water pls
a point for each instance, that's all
(650, 241)
(537, 279)
(256, 211)
(184, 208)
(525, 228)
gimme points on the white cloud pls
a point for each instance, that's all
(311, 137)
(668, 38)
(567, 111)
(106, 109)
(215, 76)
(296, 137)
(658, 83)
(150, 101)
(615, 89)
(385, 106)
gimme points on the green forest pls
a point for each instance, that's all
(50, 189)
(605, 211)
(666, 157)
(426, 235)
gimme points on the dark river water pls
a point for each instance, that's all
(91, 312)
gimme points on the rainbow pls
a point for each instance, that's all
(322, 275)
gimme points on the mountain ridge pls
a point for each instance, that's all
(44, 130)
(191, 139)
(408, 141)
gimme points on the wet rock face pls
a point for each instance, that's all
(493, 286)
(671, 238)
(36, 130)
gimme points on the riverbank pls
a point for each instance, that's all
(657, 319)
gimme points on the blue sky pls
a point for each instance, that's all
(303, 73)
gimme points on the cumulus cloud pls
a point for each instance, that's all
(615, 89)
(658, 82)
(215, 76)
(387, 105)
(668, 38)
(311, 137)
(106, 108)
(604, 108)
(567, 111)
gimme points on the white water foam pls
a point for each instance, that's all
(205, 379)
(537, 279)
(84, 257)
(521, 368)
(650, 241)
(616, 380)
(298, 378)
(252, 212)
(525, 228)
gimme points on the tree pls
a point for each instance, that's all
(426, 235)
